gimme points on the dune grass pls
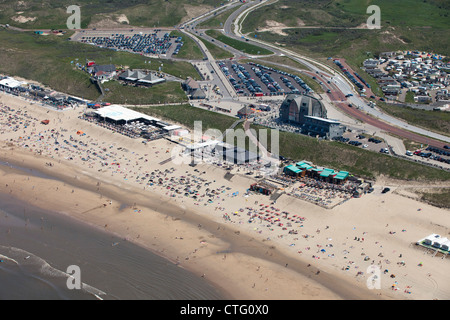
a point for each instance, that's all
(53, 14)
(331, 154)
(51, 60)
(167, 92)
(190, 49)
(237, 44)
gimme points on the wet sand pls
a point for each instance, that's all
(37, 247)
(211, 251)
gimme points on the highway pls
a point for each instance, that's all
(365, 113)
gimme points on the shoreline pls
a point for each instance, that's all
(256, 254)
(215, 235)
(43, 244)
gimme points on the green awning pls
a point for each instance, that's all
(292, 168)
(342, 175)
(327, 172)
(304, 165)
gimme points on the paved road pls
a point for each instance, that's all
(376, 118)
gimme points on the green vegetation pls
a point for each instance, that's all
(186, 115)
(217, 52)
(350, 13)
(237, 44)
(298, 147)
(217, 21)
(406, 25)
(411, 145)
(286, 61)
(53, 14)
(437, 121)
(51, 60)
(168, 92)
(355, 160)
(409, 97)
(190, 49)
(414, 13)
(439, 197)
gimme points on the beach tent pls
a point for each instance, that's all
(445, 245)
(428, 241)
(441, 243)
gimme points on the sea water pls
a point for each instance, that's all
(37, 247)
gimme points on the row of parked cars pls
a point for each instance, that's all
(377, 141)
(267, 79)
(439, 151)
(179, 43)
(138, 43)
(430, 155)
(286, 74)
(245, 80)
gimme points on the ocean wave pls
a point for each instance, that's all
(2, 257)
(38, 268)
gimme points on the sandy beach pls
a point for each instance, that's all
(120, 185)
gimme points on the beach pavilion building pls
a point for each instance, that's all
(292, 171)
(436, 242)
(141, 78)
(121, 116)
(303, 168)
(11, 85)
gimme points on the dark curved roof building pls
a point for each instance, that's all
(295, 108)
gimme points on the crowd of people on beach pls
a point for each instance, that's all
(221, 198)
(320, 192)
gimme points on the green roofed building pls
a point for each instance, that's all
(303, 165)
(292, 170)
(303, 168)
(326, 173)
(341, 176)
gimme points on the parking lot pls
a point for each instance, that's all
(147, 42)
(365, 142)
(433, 153)
(252, 79)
